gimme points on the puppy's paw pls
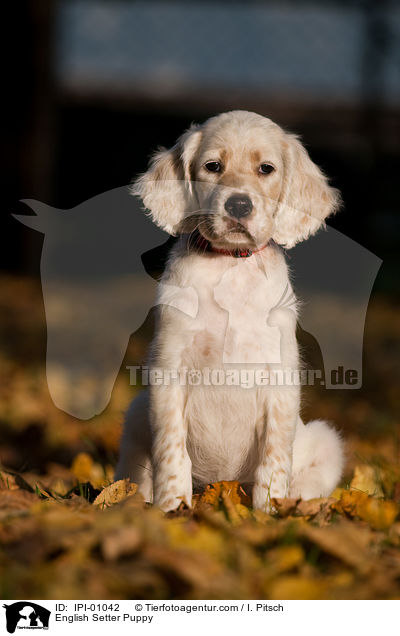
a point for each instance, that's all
(261, 498)
(264, 495)
(170, 502)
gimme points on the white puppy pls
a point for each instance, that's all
(233, 190)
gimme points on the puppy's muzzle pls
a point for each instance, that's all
(238, 206)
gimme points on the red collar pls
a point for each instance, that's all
(205, 245)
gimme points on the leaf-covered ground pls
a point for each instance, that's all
(67, 532)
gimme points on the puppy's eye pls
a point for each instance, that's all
(213, 166)
(266, 168)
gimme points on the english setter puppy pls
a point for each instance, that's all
(233, 190)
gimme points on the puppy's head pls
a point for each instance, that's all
(241, 181)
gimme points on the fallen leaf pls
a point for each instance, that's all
(297, 588)
(232, 490)
(232, 508)
(378, 513)
(349, 501)
(284, 558)
(396, 492)
(194, 537)
(211, 494)
(367, 479)
(344, 541)
(16, 499)
(337, 493)
(114, 493)
(264, 534)
(120, 542)
(320, 510)
(86, 470)
(194, 569)
(284, 507)
(7, 481)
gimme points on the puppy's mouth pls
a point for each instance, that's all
(234, 227)
(223, 232)
(234, 233)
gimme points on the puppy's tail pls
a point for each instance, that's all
(318, 460)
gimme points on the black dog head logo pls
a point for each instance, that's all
(27, 615)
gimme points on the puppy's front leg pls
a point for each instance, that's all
(172, 468)
(272, 476)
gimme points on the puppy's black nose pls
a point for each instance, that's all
(238, 205)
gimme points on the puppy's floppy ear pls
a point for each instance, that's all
(306, 198)
(166, 189)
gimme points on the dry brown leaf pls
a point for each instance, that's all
(120, 542)
(284, 507)
(264, 534)
(396, 492)
(245, 498)
(7, 481)
(319, 510)
(196, 569)
(16, 499)
(345, 541)
(13, 481)
(114, 493)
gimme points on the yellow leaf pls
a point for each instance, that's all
(378, 513)
(114, 493)
(349, 502)
(211, 494)
(231, 490)
(285, 558)
(230, 508)
(337, 493)
(367, 479)
(297, 588)
(82, 467)
(200, 539)
(85, 469)
(243, 511)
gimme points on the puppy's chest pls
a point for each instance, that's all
(232, 322)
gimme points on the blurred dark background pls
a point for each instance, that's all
(92, 87)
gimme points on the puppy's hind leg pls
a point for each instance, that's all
(318, 460)
(135, 447)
